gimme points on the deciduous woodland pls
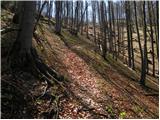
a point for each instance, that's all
(80, 59)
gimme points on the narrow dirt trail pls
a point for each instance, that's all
(92, 96)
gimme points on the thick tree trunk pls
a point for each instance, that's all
(21, 51)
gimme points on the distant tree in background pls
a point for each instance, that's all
(58, 16)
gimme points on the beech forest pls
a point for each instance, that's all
(80, 59)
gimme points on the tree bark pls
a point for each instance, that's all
(144, 63)
(103, 27)
(138, 35)
(110, 29)
(87, 20)
(152, 39)
(58, 5)
(128, 33)
(21, 50)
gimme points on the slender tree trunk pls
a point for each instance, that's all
(128, 33)
(106, 28)
(68, 11)
(110, 28)
(82, 18)
(152, 39)
(50, 11)
(118, 30)
(39, 6)
(132, 50)
(114, 32)
(155, 22)
(94, 21)
(58, 5)
(103, 27)
(72, 16)
(157, 11)
(144, 63)
(138, 36)
(87, 20)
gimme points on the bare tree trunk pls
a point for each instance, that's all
(58, 5)
(128, 33)
(152, 39)
(94, 21)
(72, 17)
(144, 63)
(68, 11)
(114, 32)
(155, 29)
(138, 35)
(39, 5)
(131, 37)
(118, 30)
(110, 28)
(103, 27)
(82, 18)
(50, 11)
(21, 51)
(157, 11)
(87, 19)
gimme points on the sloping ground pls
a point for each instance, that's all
(22, 94)
(97, 89)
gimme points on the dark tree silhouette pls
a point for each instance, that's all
(22, 48)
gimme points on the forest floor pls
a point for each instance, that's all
(99, 88)
(96, 88)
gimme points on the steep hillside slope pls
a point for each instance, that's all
(90, 86)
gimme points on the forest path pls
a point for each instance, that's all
(93, 95)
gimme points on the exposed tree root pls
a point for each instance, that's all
(31, 63)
